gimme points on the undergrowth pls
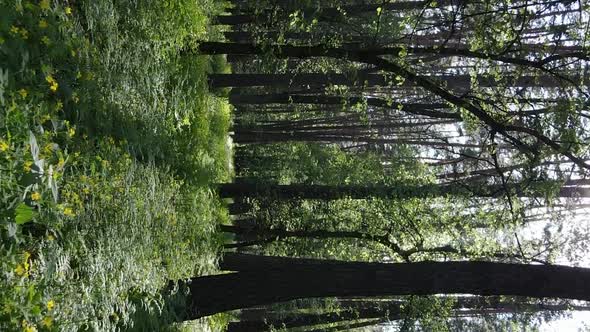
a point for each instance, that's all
(109, 141)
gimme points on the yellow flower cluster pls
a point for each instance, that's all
(43, 24)
(68, 212)
(50, 305)
(22, 31)
(27, 166)
(3, 145)
(35, 196)
(52, 83)
(23, 269)
(47, 322)
(28, 327)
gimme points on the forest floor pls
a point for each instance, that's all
(109, 142)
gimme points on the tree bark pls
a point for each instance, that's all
(263, 280)
(331, 192)
(459, 82)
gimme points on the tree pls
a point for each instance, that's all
(262, 280)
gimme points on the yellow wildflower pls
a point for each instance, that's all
(24, 33)
(52, 83)
(3, 146)
(44, 4)
(14, 29)
(23, 93)
(49, 79)
(50, 237)
(20, 270)
(28, 327)
(68, 10)
(59, 105)
(45, 40)
(48, 148)
(43, 24)
(27, 166)
(35, 196)
(26, 256)
(47, 322)
(50, 305)
(72, 132)
(68, 212)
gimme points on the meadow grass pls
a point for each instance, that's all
(109, 142)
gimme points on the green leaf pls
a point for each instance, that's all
(24, 214)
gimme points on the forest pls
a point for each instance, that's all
(284, 165)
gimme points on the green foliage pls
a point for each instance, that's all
(108, 138)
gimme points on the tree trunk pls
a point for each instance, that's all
(263, 280)
(459, 82)
(331, 192)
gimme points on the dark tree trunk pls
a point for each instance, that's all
(426, 109)
(330, 192)
(459, 82)
(262, 280)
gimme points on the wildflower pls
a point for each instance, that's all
(23, 93)
(14, 29)
(3, 146)
(68, 212)
(45, 40)
(52, 83)
(72, 132)
(20, 270)
(68, 10)
(43, 24)
(28, 327)
(50, 305)
(24, 33)
(47, 322)
(35, 196)
(27, 166)
(44, 4)
(48, 148)
(23, 269)
(50, 237)
(59, 105)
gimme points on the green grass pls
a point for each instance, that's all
(109, 141)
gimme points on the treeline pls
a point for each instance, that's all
(426, 137)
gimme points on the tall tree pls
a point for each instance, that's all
(263, 280)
